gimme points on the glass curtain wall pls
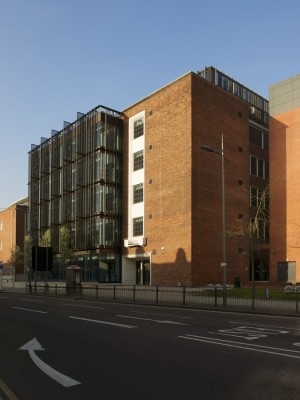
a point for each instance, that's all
(75, 182)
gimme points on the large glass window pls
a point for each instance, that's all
(138, 226)
(138, 160)
(138, 193)
(138, 129)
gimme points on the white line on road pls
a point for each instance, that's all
(162, 315)
(267, 326)
(35, 301)
(79, 305)
(271, 327)
(243, 335)
(153, 320)
(254, 329)
(28, 309)
(104, 322)
(240, 345)
(32, 346)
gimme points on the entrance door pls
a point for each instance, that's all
(139, 275)
(146, 272)
(143, 272)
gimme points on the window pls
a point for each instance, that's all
(256, 199)
(266, 141)
(138, 160)
(138, 226)
(259, 167)
(1, 247)
(138, 129)
(255, 136)
(258, 138)
(260, 229)
(1, 225)
(138, 193)
(260, 170)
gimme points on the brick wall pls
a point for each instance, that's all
(184, 198)
(285, 190)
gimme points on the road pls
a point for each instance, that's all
(54, 348)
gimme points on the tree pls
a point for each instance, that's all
(65, 248)
(258, 226)
(16, 255)
(27, 252)
(45, 240)
(254, 230)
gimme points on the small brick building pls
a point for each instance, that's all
(13, 220)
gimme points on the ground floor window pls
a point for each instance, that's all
(101, 268)
(259, 265)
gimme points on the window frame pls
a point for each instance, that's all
(138, 193)
(259, 167)
(138, 128)
(138, 160)
(138, 226)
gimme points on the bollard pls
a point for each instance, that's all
(216, 296)
(266, 293)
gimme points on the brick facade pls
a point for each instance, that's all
(183, 200)
(12, 233)
(285, 192)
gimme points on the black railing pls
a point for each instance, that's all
(266, 300)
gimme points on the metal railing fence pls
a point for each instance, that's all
(260, 300)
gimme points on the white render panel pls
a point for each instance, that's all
(137, 210)
(138, 144)
(135, 177)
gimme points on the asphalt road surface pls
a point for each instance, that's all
(54, 348)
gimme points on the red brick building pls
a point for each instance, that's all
(13, 221)
(181, 211)
(285, 184)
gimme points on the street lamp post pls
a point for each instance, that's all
(224, 257)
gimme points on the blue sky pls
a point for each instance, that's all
(63, 56)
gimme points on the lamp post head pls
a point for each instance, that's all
(205, 147)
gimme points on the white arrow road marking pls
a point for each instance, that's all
(32, 346)
(153, 320)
